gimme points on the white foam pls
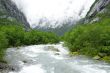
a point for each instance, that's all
(32, 69)
(92, 69)
(44, 58)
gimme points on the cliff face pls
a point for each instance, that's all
(9, 10)
(100, 7)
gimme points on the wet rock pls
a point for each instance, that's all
(97, 57)
(52, 48)
(13, 69)
(102, 54)
(5, 68)
(24, 61)
(4, 71)
(57, 54)
(18, 47)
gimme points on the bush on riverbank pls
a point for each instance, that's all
(90, 39)
(38, 37)
(3, 45)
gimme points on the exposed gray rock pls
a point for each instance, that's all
(24, 61)
(57, 54)
(52, 48)
(96, 57)
(98, 6)
(5, 68)
(102, 54)
(95, 20)
(8, 7)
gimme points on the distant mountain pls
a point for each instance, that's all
(58, 29)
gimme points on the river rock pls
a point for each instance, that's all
(57, 54)
(24, 61)
(5, 68)
(52, 48)
(96, 57)
(102, 54)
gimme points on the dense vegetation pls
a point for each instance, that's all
(90, 39)
(15, 35)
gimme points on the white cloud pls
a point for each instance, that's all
(53, 10)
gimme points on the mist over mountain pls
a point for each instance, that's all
(53, 13)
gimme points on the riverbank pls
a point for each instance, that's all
(100, 57)
(6, 68)
(91, 39)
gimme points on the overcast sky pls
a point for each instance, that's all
(53, 9)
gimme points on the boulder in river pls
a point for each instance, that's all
(102, 54)
(96, 57)
(57, 54)
(52, 48)
(5, 68)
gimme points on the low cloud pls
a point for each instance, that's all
(53, 10)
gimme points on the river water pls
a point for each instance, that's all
(52, 59)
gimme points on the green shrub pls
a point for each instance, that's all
(39, 37)
(14, 34)
(106, 59)
(17, 36)
(90, 39)
(3, 41)
(3, 45)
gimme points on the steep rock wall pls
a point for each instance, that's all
(100, 6)
(8, 8)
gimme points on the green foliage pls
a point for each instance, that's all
(3, 41)
(9, 21)
(14, 34)
(39, 37)
(106, 59)
(3, 45)
(90, 39)
(17, 36)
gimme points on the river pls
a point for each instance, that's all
(52, 58)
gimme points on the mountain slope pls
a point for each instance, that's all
(9, 10)
(99, 10)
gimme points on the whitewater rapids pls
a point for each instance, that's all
(52, 58)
